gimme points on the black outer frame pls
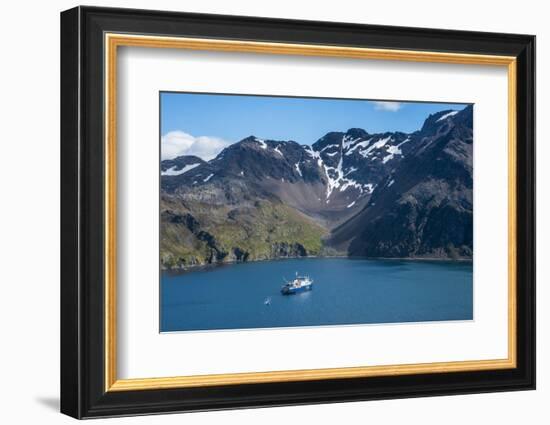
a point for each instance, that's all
(82, 219)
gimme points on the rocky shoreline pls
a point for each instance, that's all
(197, 267)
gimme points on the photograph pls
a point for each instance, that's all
(280, 211)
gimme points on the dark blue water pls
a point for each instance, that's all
(345, 291)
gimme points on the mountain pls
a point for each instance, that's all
(387, 194)
(424, 207)
(354, 163)
(328, 181)
(227, 209)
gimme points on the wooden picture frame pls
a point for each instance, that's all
(90, 38)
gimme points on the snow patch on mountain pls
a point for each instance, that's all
(408, 139)
(309, 150)
(336, 179)
(348, 141)
(350, 170)
(278, 151)
(263, 145)
(377, 145)
(392, 151)
(447, 115)
(328, 147)
(315, 155)
(362, 144)
(173, 172)
(350, 183)
(297, 166)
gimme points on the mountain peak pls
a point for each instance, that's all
(357, 133)
(438, 118)
(186, 159)
(252, 142)
(250, 138)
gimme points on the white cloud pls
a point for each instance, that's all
(177, 143)
(388, 106)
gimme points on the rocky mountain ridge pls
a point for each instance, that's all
(349, 193)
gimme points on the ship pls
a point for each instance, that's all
(297, 285)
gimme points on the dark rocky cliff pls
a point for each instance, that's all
(424, 208)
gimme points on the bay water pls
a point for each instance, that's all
(345, 291)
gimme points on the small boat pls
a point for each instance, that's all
(297, 285)
(267, 301)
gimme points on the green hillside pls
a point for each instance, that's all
(200, 233)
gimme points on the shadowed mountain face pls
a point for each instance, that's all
(390, 195)
(424, 207)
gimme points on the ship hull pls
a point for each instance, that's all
(292, 291)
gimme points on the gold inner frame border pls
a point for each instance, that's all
(111, 43)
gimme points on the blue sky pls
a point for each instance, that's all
(224, 119)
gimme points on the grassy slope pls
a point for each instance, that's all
(253, 229)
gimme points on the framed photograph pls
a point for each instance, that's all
(261, 212)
